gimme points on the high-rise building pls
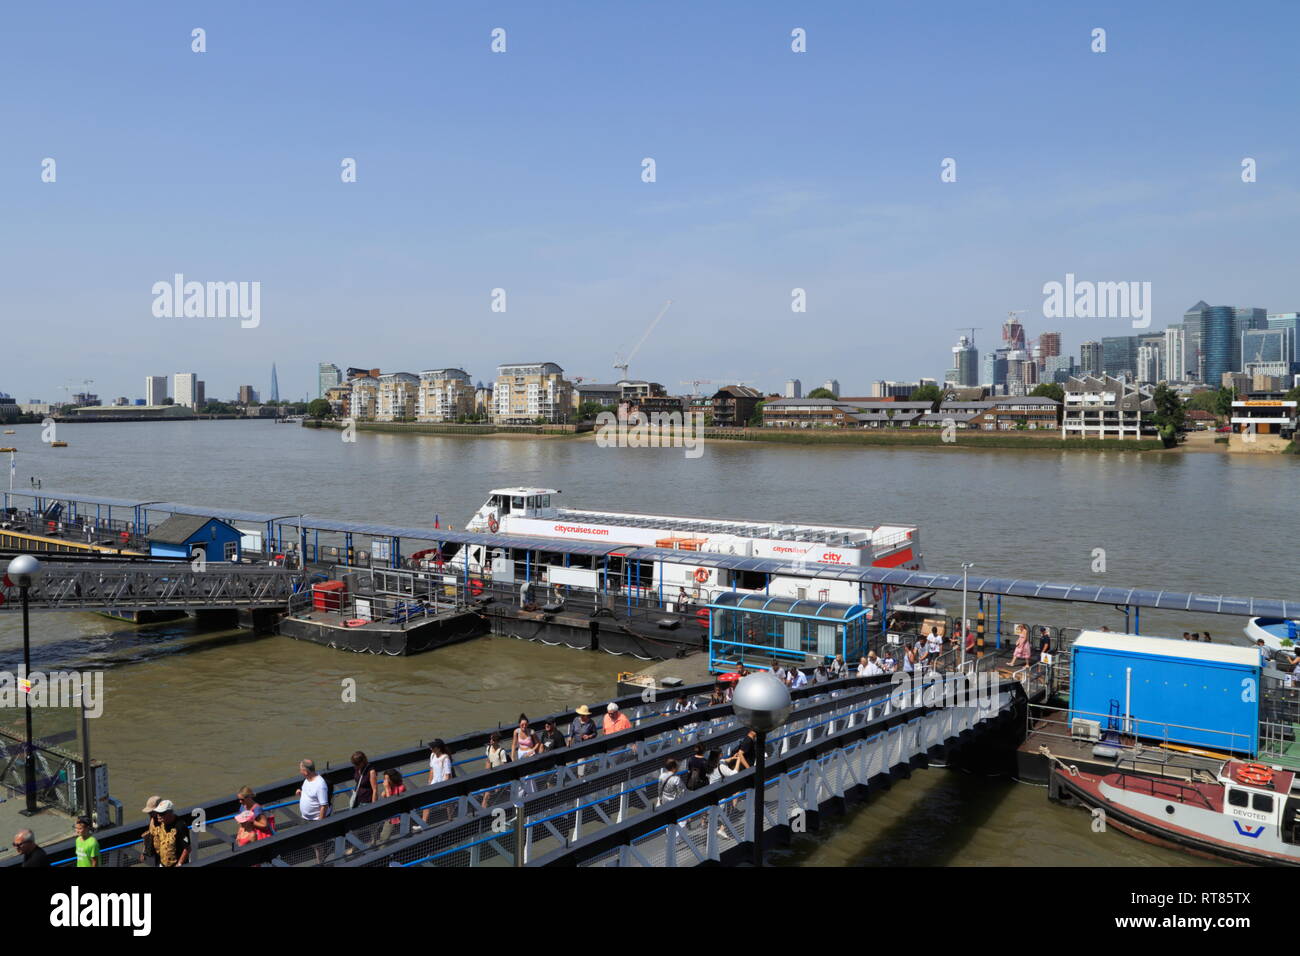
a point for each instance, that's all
(832, 385)
(185, 388)
(275, 384)
(1148, 364)
(1049, 346)
(1193, 324)
(155, 389)
(397, 397)
(1058, 369)
(1175, 354)
(1013, 335)
(1268, 351)
(966, 362)
(328, 377)
(200, 395)
(1287, 320)
(445, 394)
(1220, 342)
(246, 395)
(794, 388)
(1119, 355)
(1090, 358)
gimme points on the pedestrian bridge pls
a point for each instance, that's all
(146, 585)
(599, 803)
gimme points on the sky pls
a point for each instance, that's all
(523, 171)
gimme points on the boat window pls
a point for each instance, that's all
(532, 502)
(503, 504)
(517, 501)
(545, 501)
(1261, 802)
(1237, 798)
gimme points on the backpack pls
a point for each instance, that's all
(697, 778)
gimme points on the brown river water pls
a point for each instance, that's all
(194, 714)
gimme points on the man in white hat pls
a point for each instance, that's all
(148, 852)
(171, 836)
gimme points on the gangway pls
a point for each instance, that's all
(133, 587)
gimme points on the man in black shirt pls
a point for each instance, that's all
(552, 739)
(25, 843)
(742, 758)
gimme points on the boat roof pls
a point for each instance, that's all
(774, 530)
(1169, 647)
(1280, 782)
(524, 491)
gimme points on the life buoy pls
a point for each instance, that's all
(702, 617)
(355, 622)
(702, 575)
(493, 523)
(475, 587)
(1256, 773)
(877, 592)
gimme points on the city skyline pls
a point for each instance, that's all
(824, 177)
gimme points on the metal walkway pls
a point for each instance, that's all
(134, 587)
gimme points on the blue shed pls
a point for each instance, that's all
(1188, 692)
(181, 536)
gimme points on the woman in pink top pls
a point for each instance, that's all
(1021, 653)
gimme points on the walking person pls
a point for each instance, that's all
(33, 855)
(263, 822)
(1021, 651)
(171, 836)
(552, 739)
(670, 782)
(496, 756)
(440, 770)
(524, 742)
(393, 786)
(313, 800)
(149, 855)
(615, 720)
(87, 846)
(583, 728)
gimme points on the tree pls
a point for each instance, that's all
(1204, 401)
(1049, 390)
(1223, 402)
(1293, 395)
(821, 393)
(756, 419)
(1170, 415)
(168, 401)
(929, 393)
(320, 408)
(588, 410)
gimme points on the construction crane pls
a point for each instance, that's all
(973, 330)
(622, 363)
(695, 384)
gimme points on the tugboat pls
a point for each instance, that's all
(1244, 813)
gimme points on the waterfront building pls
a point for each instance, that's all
(1106, 407)
(733, 405)
(340, 399)
(36, 408)
(1264, 416)
(9, 409)
(794, 388)
(396, 397)
(608, 394)
(155, 389)
(896, 389)
(445, 395)
(1090, 358)
(965, 362)
(329, 376)
(483, 400)
(364, 398)
(1011, 413)
(531, 391)
(185, 389)
(1119, 355)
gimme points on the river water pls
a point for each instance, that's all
(192, 714)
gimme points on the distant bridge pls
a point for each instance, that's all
(139, 587)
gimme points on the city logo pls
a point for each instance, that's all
(1252, 832)
(77, 909)
(55, 689)
(653, 430)
(208, 300)
(1098, 300)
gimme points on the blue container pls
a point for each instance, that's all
(1203, 695)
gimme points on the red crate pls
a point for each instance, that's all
(328, 595)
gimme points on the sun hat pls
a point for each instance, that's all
(583, 710)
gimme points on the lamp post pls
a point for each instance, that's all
(762, 703)
(965, 566)
(24, 571)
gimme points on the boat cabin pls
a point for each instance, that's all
(520, 502)
(1259, 794)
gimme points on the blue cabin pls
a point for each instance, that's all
(184, 536)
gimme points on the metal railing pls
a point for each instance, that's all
(1045, 720)
(136, 586)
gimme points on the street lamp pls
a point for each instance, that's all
(24, 571)
(762, 703)
(965, 566)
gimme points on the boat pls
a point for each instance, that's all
(10, 431)
(1244, 813)
(2, 450)
(1275, 632)
(534, 513)
(58, 444)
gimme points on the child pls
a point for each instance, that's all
(87, 845)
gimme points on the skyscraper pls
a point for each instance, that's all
(275, 385)
(1090, 358)
(1288, 320)
(1175, 354)
(155, 389)
(1013, 334)
(1119, 355)
(1148, 364)
(794, 388)
(966, 362)
(1193, 323)
(330, 377)
(1220, 343)
(1049, 346)
(993, 370)
(185, 389)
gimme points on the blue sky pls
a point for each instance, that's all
(522, 171)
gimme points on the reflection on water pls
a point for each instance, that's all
(192, 713)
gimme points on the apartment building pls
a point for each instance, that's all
(1106, 407)
(444, 395)
(529, 391)
(396, 397)
(364, 398)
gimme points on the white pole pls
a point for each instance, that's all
(961, 630)
(1128, 698)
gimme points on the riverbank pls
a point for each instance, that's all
(668, 437)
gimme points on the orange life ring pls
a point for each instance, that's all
(702, 617)
(493, 523)
(1256, 773)
(729, 678)
(475, 587)
(702, 575)
(355, 622)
